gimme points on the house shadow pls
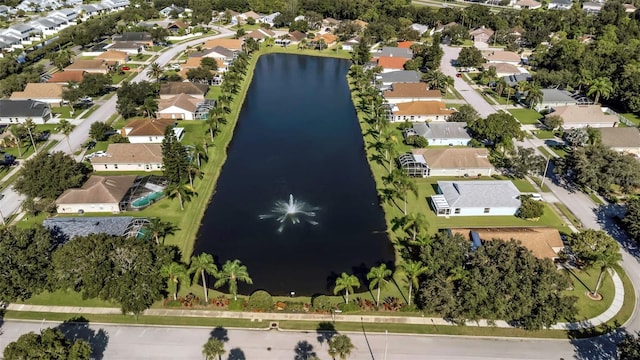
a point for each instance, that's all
(597, 343)
(325, 331)
(219, 333)
(236, 354)
(303, 351)
(78, 329)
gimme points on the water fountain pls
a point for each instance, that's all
(294, 211)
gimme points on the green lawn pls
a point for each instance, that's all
(526, 116)
(584, 281)
(52, 128)
(634, 118)
(544, 134)
(66, 298)
(140, 57)
(214, 92)
(64, 111)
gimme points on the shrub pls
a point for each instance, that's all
(350, 307)
(322, 303)
(117, 138)
(292, 306)
(174, 303)
(236, 305)
(260, 300)
(530, 209)
(417, 141)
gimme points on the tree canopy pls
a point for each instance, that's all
(49, 175)
(497, 130)
(49, 344)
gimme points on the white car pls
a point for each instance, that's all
(100, 153)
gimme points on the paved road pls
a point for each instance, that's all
(12, 201)
(131, 342)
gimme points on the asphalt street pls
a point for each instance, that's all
(133, 342)
(12, 201)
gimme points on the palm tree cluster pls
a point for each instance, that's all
(201, 266)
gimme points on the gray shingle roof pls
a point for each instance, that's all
(218, 49)
(512, 80)
(83, 226)
(395, 52)
(562, 2)
(444, 130)
(480, 193)
(400, 76)
(23, 108)
(621, 137)
(557, 96)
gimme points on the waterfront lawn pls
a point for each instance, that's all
(526, 116)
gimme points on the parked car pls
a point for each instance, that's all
(100, 153)
(91, 145)
(459, 75)
(125, 68)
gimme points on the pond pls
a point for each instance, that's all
(296, 201)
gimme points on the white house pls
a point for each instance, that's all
(18, 111)
(441, 133)
(420, 111)
(98, 194)
(476, 198)
(149, 131)
(497, 56)
(70, 15)
(560, 5)
(268, 19)
(408, 92)
(129, 157)
(183, 107)
(584, 115)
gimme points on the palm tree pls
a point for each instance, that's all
(150, 107)
(600, 87)
(534, 96)
(231, 273)
(155, 72)
(215, 118)
(522, 86)
(501, 86)
(212, 349)
(176, 273)
(302, 44)
(30, 126)
(200, 152)
(413, 224)
(606, 260)
(347, 283)
(180, 190)
(378, 278)
(194, 171)
(17, 133)
(66, 128)
(412, 270)
(437, 80)
(341, 346)
(202, 265)
(158, 228)
(403, 183)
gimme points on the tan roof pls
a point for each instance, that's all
(99, 190)
(111, 55)
(492, 55)
(192, 63)
(455, 158)
(502, 68)
(179, 87)
(251, 14)
(297, 35)
(528, 3)
(422, 108)
(148, 127)
(621, 137)
(362, 24)
(480, 31)
(328, 38)
(411, 90)
(131, 154)
(179, 24)
(543, 242)
(39, 91)
(583, 114)
(87, 64)
(183, 101)
(75, 76)
(231, 44)
(261, 34)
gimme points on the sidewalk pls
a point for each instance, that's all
(255, 316)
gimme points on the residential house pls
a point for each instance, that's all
(503, 69)
(350, 44)
(551, 98)
(513, 79)
(622, 139)
(497, 56)
(249, 15)
(296, 36)
(129, 157)
(10, 42)
(173, 88)
(218, 52)
(629, 8)
(451, 161)
(261, 34)
(18, 111)
(113, 57)
(543, 242)
(269, 19)
(560, 4)
(70, 15)
(322, 41)
(592, 7)
(46, 26)
(89, 10)
(582, 116)
(67, 77)
(388, 51)
(93, 66)
(142, 38)
(405, 44)
(177, 26)
(420, 111)
(149, 131)
(408, 92)
(73, 226)
(114, 5)
(5, 10)
(481, 35)
(384, 80)
(390, 63)
(441, 133)
(421, 29)
(172, 9)
(59, 22)
(528, 4)
(476, 198)
(330, 23)
(231, 44)
(362, 24)
(184, 107)
(98, 194)
(129, 47)
(47, 93)
(24, 31)
(196, 62)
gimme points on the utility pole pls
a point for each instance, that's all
(544, 174)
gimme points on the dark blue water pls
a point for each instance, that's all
(297, 134)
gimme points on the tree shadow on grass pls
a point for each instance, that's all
(219, 333)
(304, 351)
(325, 331)
(597, 343)
(78, 328)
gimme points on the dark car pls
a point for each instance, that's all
(91, 145)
